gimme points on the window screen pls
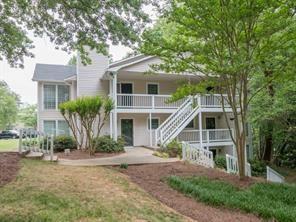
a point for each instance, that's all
(49, 127)
(152, 89)
(63, 94)
(49, 96)
(154, 123)
(63, 128)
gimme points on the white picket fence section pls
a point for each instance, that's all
(232, 165)
(35, 141)
(273, 176)
(196, 155)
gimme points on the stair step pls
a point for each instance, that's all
(47, 158)
(34, 155)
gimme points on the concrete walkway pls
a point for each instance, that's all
(134, 155)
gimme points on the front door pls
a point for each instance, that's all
(127, 131)
(127, 88)
(210, 123)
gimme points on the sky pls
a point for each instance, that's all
(20, 80)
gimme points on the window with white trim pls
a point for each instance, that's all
(190, 124)
(154, 123)
(63, 128)
(53, 95)
(49, 96)
(56, 127)
(49, 127)
(152, 88)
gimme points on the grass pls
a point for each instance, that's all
(264, 199)
(50, 192)
(8, 145)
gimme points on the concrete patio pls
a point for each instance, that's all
(134, 155)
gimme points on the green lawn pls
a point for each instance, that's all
(8, 144)
(51, 192)
(267, 200)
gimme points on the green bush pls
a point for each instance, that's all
(220, 162)
(123, 166)
(105, 144)
(174, 149)
(268, 200)
(258, 168)
(64, 142)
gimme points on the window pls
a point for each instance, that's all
(54, 95)
(191, 124)
(154, 123)
(56, 127)
(49, 97)
(49, 126)
(63, 128)
(152, 89)
(63, 93)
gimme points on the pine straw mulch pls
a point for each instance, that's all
(151, 178)
(9, 166)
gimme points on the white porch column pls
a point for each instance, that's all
(200, 128)
(150, 129)
(111, 114)
(114, 90)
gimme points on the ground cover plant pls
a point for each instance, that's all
(50, 192)
(268, 200)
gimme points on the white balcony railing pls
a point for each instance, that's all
(146, 101)
(208, 136)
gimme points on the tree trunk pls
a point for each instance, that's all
(241, 142)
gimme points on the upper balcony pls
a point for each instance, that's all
(160, 103)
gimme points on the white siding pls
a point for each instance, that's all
(142, 66)
(88, 77)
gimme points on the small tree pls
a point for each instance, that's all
(86, 117)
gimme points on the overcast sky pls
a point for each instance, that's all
(20, 80)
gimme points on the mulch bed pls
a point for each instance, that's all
(9, 166)
(81, 154)
(151, 178)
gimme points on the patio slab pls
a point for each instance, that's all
(132, 156)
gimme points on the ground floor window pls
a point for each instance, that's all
(56, 127)
(154, 123)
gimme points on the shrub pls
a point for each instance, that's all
(258, 168)
(161, 154)
(220, 162)
(64, 142)
(123, 166)
(174, 149)
(105, 144)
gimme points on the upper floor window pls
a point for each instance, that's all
(53, 95)
(152, 88)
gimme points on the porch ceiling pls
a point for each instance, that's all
(127, 75)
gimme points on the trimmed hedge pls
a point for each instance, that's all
(105, 144)
(64, 142)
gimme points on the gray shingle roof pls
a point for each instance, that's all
(48, 72)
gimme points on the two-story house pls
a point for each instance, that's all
(142, 114)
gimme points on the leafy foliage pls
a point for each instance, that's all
(227, 41)
(92, 112)
(70, 25)
(106, 144)
(64, 142)
(258, 167)
(9, 102)
(173, 149)
(265, 199)
(220, 162)
(28, 115)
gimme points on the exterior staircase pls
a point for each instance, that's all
(177, 121)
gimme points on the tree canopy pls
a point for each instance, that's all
(28, 115)
(70, 25)
(9, 102)
(229, 42)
